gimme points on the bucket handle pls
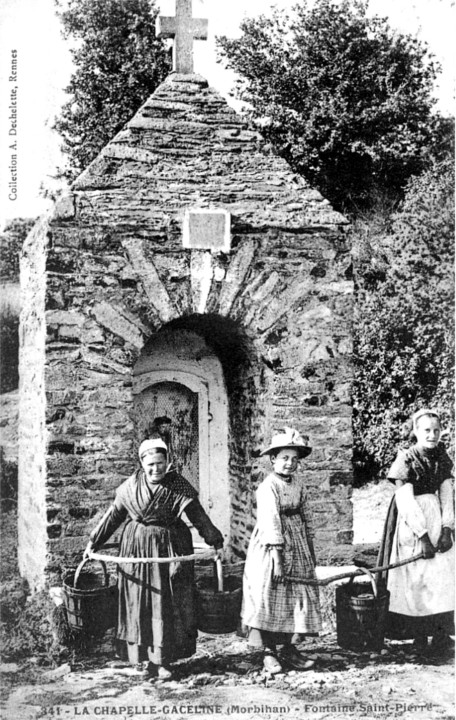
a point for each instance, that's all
(371, 578)
(218, 574)
(81, 565)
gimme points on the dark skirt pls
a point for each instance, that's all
(157, 601)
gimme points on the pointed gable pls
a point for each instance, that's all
(187, 147)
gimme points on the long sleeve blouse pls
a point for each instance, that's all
(275, 497)
(423, 473)
(162, 505)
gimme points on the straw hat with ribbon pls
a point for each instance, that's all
(291, 439)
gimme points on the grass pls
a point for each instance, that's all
(25, 620)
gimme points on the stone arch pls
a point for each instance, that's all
(245, 383)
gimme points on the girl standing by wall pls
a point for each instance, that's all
(276, 611)
(157, 602)
(421, 519)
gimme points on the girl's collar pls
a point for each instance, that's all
(285, 478)
(427, 452)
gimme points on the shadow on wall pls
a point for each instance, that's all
(226, 338)
(243, 373)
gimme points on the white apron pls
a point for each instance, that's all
(424, 587)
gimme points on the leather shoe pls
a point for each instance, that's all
(420, 645)
(441, 644)
(141, 670)
(295, 660)
(271, 664)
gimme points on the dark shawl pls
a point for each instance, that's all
(426, 471)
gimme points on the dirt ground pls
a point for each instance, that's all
(225, 679)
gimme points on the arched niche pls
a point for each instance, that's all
(178, 384)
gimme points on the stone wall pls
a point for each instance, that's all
(275, 309)
(32, 510)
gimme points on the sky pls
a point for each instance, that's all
(32, 91)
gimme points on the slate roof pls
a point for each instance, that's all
(186, 147)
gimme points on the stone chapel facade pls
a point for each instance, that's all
(189, 281)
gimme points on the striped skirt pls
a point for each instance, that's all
(291, 608)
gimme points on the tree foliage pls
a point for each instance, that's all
(11, 241)
(343, 97)
(9, 351)
(119, 63)
(404, 318)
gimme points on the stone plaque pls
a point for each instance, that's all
(207, 230)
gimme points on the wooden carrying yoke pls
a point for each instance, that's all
(210, 554)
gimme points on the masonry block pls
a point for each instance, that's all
(186, 228)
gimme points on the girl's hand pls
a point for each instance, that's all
(277, 565)
(88, 550)
(427, 547)
(445, 541)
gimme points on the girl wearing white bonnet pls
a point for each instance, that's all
(421, 520)
(157, 613)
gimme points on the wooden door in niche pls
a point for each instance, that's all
(172, 408)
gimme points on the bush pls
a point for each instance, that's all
(404, 319)
(25, 626)
(24, 623)
(9, 351)
(118, 64)
(11, 241)
(345, 98)
(8, 482)
(29, 625)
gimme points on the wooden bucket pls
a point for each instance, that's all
(219, 602)
(361, 613)
(90, 600)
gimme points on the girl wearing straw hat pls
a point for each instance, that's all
(275, 611)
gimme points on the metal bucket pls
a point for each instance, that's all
(219, 602)
(361, 614)
(90, 600)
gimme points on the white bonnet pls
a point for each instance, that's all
(148, 446)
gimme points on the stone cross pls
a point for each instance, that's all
(184, 29)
